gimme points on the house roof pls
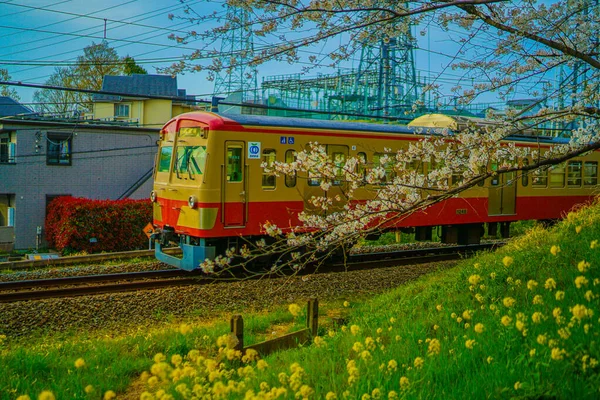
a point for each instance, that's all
(138, 84)
(10, 107)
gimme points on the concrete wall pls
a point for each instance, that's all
(105, 164)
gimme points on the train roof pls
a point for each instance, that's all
(262, 120)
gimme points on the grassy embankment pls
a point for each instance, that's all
(521, 322)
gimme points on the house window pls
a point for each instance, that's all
(59, 148)
(122, 110)
(7, 149)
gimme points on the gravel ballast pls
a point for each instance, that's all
(143, 308)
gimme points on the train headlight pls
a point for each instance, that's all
(192, 201)
(153, 196)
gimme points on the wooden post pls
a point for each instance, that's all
(312, 316)
(237, 328)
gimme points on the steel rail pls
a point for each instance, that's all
(355, 262)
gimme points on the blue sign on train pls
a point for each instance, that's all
(254, 150)
(291, 140)
(282, 140)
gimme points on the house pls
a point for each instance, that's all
(43, 159)
(148, 112)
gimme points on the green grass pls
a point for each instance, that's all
(534, 356)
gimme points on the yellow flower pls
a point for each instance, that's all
(559, 295)
(438, 307)
(159, 357)
(366, 355)
(392, 395)
(357, 347)
(109, 395)
(392, 320)
(376, 393)
(479, 328)
(578, 229)
(593, 244)
(24, 397)
(392, 365)
(532, 352)
(564, 333)
(146, 396)
(507, 261)
(541, 339)
(366, 396)
(354, 329)
(318, 341)
(580, 311)
(294, 309)
(330, 396)
(476, 265)
(434, 347)
(550, 284)
(46, 395)
(467, 314)
(520, 325)
(176, 359)
(581, 281)
(506, 320)
(89, 389)
(489, 359)
(261, 364)
(583, 266)
(508, 302)
(404, 382)
(474, 279)
(470, 343)
(537, 299)
(331, 333)
(554, 250)
(589, 295)
(531, 284)
(306, 391)
(418, 363)
(346, 304)
(517, 385)
(557, 354)
(79, 363)
(184, 329)
(537, 317)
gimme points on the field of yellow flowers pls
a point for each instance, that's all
(520, 322)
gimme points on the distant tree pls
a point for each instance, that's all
(130, 67)
(7, 90)
(59, 102)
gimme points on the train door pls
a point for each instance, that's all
(502, 194)
(234, 185)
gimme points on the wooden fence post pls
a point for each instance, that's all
(237, 328)
(312, 316)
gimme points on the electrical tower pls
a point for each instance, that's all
(237, 81)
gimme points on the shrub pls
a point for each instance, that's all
(79, 224)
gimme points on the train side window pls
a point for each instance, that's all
(268, 180)
(540, 177)
(524, 175)
(574, 171)
(557, 176)
(387, 166)
(339, 160)
(234, 164)
(590, 173)
(164, 160)
(362, 168)
(290, 157)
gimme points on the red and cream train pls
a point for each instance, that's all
(210, 189)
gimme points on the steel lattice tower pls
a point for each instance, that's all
(237, 81)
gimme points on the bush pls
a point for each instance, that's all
(79, 224)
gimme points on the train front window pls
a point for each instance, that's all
(164, 160)
(191, 160)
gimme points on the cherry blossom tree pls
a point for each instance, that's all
(505, 46)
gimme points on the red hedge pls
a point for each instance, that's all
(78, 224)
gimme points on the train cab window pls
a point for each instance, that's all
(524, 175)
(268, 158)
(164, 160)
(234, 164)
(387, 165)
(540, 178)
(557, 176)
(191, 160)
(574, 170)
(590, 173)
(290, 157)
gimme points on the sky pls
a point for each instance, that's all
(38, 35)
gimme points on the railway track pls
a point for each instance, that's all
(114, 283)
